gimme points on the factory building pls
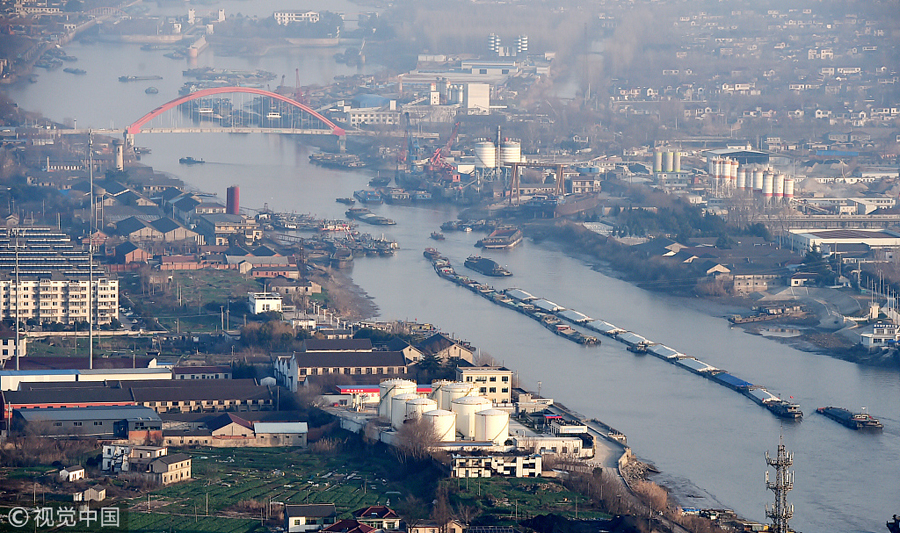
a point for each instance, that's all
(827, 240)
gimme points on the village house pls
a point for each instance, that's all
(309, 517)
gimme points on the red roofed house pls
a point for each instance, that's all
(349, 526)
(378, 516)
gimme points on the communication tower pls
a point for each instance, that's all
(781, 512)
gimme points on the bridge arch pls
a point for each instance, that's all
(135, 127)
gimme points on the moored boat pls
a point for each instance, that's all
(190, 161)
(850, 419)
(437, 235)
(346, 201)
(505, 237)
(367, 196)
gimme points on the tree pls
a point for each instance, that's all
(415, 440)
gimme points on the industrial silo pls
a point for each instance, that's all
(768, 185)
(741, 179)
(452, 391)
(733, 174)
(398, 408)
(510, 152)
(676, 162)
(757, 181)
(465, 409)
(788, 189)
(417, 406)
(657, 162)
(485, 155)
(443, 422)
(668, 161)
(492, 425)
(388, 389)
(436, 387)
(778, 187)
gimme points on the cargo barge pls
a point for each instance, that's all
(368, 197)
(486, 266)
(506, 237)
(364, 215)
(850, 419)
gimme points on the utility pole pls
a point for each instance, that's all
(18, 300)
(91, 259)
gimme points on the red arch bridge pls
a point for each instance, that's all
(234, 110)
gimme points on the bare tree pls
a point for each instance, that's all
(416, 439)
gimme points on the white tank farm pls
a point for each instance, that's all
(417, 406)
(492, 425)
(443, 422)
(465, 409)
(510, 152)
(398, 408)
(485, 155)
(389, 388)
(436, 387)
(452, 391)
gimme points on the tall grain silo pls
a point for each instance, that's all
(657, 161)
(733, 173)
(452, 391)
(465, 409)
(778, 187)
(676, 162)
(443, 422)
(757, 181)
(398, 408)
(388, 389)
(788, 189)
(768, 185)
(510, 152)
(492, 425)
(741, 179)
(668, 161)
(485, 155)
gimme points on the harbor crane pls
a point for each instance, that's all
(437, 163)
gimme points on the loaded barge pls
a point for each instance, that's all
(849, 419)
(486, 266)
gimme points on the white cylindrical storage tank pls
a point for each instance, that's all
(418, 406)
(758, 180)
(436, 387)
(710, 166)
(510, 152)
(657, 161)
(768, 185)
(788, 189)
(398, 408)
(465, 409)
(733, 173)
(452, 391)
(778, 187)
(443, 422)
(389, 388)
(668, 161)
(676, 162)
(492, 425)
(741, 179)
(485, 155)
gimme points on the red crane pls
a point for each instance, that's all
(437, 158)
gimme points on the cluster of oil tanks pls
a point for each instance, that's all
(758, 180)
(666, 161)
(486, 154)
(453, 408)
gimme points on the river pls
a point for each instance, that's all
(698, 433)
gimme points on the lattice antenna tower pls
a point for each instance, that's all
(780, 512)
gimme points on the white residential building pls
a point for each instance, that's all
(289, 17)
(263, 302)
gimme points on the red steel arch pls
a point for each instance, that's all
(136, 126)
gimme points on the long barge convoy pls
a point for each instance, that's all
(444, 269)
(552, 316)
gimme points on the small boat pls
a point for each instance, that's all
(437, 235)
(78, 71)
(151, 90)
(347, 201)
(191, 161)
(379, 181)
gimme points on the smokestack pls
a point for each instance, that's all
(233, 204)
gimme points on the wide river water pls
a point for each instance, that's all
(708, 441)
